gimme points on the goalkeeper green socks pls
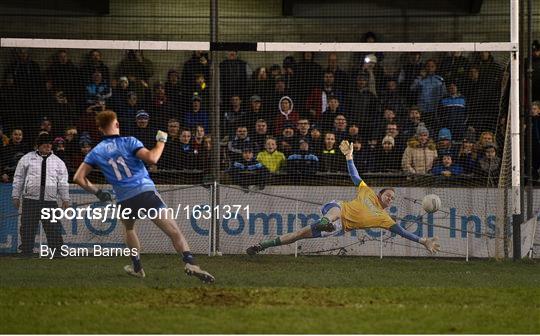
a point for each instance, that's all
(325, 225)
(270, 243)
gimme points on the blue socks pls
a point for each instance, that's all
(188, 258)
(137, 266)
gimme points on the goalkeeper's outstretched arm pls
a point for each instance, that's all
(347, 150)
(430, 244)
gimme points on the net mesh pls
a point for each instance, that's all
(306, 103)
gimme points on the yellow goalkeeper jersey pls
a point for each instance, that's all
(365, 211)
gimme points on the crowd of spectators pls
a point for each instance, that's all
(419, 115)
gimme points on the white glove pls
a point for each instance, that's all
(431, 244)
(161, 136)
(346, 147)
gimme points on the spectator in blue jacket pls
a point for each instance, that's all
(452, 111)
(248, 171)
(446, 166)
(430, 89)
(303, 161)
(196, 116)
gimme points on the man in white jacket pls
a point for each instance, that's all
(41, 178)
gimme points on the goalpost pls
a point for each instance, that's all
(468, 204)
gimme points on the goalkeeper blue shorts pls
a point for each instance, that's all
(326, 207)
(146, 200)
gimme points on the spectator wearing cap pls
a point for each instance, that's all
(445, 143)
(430, 90)
(303, 161)
(143, 130)
(286, 142)
(12, 153)
(287, 114)
(386, 157)
(452, 111)
(196, 116)
(246, 170)
(489, 166)
(446, 167)
(240, 141)
(420, 153)
(362, 104)
(201, 89)
(40, 181)
(317, 101)
(400, 141)
(256, 111)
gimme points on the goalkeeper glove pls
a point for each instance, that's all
(346, 148)
(161, 136)
(431, 244)
(104, 196)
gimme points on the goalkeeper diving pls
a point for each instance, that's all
(366, 211)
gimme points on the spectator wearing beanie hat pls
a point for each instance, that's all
(445, 143)
(420, 153)
(386, 158)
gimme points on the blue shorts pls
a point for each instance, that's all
(326, 207)
(146, 200)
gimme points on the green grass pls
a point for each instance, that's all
(271, 294)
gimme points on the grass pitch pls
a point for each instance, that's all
(270, 294)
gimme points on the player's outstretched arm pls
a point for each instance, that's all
(430, 244)
(151, 156)
(347, 150)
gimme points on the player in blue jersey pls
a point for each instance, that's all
(120, 159)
